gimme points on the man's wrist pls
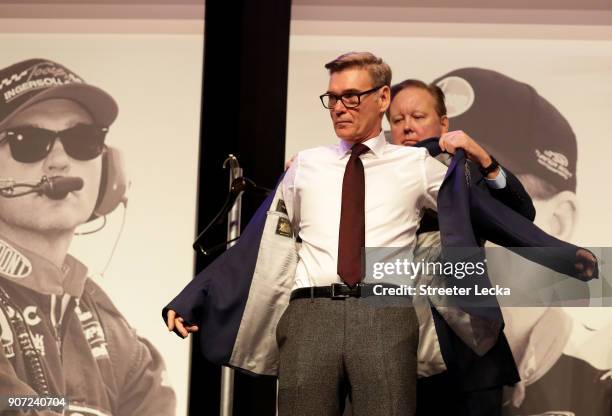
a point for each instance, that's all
(490, 169)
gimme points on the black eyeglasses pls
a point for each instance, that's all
(31, 144)
(349, 99)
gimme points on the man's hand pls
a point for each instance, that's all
(449, 142)
(586, 265)
(175, 321)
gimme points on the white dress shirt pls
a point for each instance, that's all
(399, 183)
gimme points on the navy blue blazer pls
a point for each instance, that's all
(468, 215)
(236, 307)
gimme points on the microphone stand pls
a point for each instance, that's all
(238, 184)
(233, 232)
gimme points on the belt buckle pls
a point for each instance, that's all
(337, 287)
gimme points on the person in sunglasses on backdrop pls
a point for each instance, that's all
(60, 333)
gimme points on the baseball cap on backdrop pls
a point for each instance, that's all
(512, 122)
(28, 82)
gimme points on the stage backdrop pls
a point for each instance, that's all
(153, 69)
(568, 65)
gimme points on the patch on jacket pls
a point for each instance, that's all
(283, 227)
(12, 262)
(281, 207)
(93, 332)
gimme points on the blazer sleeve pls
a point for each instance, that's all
(216, 298)
(498, 224)
(224, 284)
(514, 196)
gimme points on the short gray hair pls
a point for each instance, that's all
(379, 70)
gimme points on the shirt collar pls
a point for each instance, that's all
(376, 145)
(542, 351)
(545, 346)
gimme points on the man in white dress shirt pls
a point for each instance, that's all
(359, 192)
(329, 345)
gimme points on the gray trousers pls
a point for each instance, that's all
(330, 348)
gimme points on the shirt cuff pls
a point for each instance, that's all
(499, 182)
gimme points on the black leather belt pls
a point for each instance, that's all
(334, 291)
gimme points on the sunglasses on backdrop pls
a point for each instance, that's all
(31, 144)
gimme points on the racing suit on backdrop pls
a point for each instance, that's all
(61, 335)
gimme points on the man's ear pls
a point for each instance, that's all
(563, 212)
(444, 124)
(384, 98)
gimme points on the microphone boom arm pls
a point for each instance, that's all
(8, 186)
(55, 187)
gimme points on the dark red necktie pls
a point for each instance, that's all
(351, 238)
